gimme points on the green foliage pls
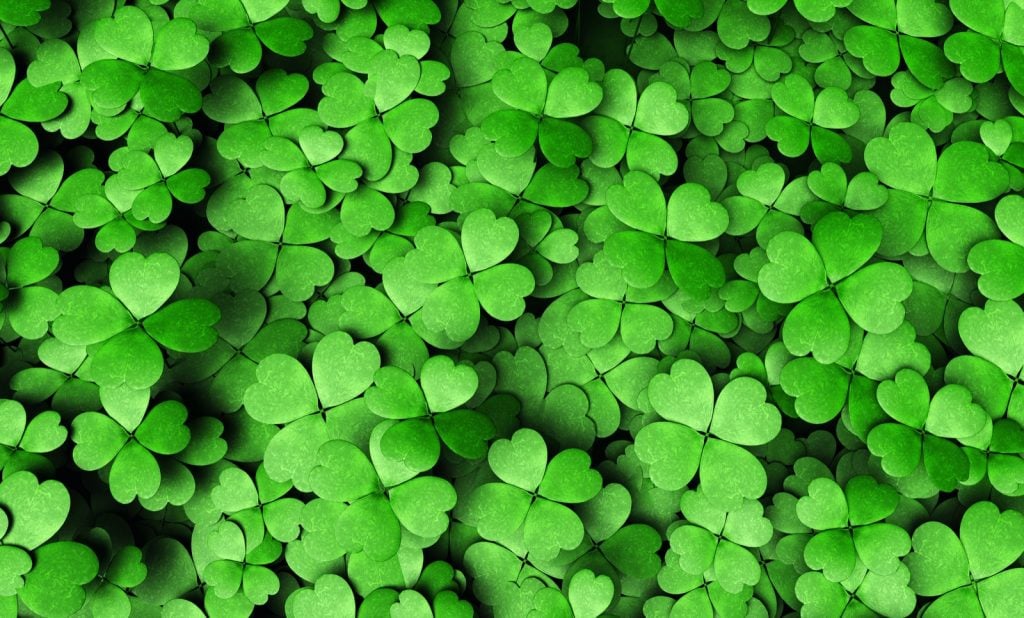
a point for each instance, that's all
(542, 308)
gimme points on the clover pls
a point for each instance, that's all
(628, 9)
(704, 339)
(445, 282)
(934, 105)
(811, 118)
(149, 184)
(120, 569)
(138, 59)
(664, 235)
(25, 442)
(284, 393)
(971, 572)
(848, 528)
(50, 579)
(441, 585)
(990, 333)
(366, 511)
(899, 28)
(545, 243)
(22, 103)
(56, 377)
(55, 62)
(862, 192)
(244, 339)
(542, 112)
(828, 276)
(59, 580)
(633, 127)
(243, 28)
(619, 549)
(411, 601)
(515, 182)
(429, 413)
(693, 595)
(738, 24)
(1000, 136)
(24, 15)
(263, 124)
(511, 304)
(495, 572)
(28, 306)
(719, 542)
(818, 391)
(819, 13)
(391, 80)
(865, 591)
(921, 439)
(132, 319)
(436, 591)
(676, 448)
(760, 202)
(520, 386)
(934, 190)
(996, 448)
(234, 567)
(329, 593)
(682, 96)
(494, 175)
(367, 313)
(532, 494)
(922, 173)
(990, 45)
(552, 245)
(362, 311)
(130, 35)
(572, 416)
(540, 595)
(572, 393)
(513, 185)
(31, 513)
(278, 245)
(380, 112)
(994, 259)
(611, 308)
(375, 229)
(129, 445)
(260, 507)
(163, 587)
(590, 594)
(56, 209)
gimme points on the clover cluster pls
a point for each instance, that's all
(523, 308)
